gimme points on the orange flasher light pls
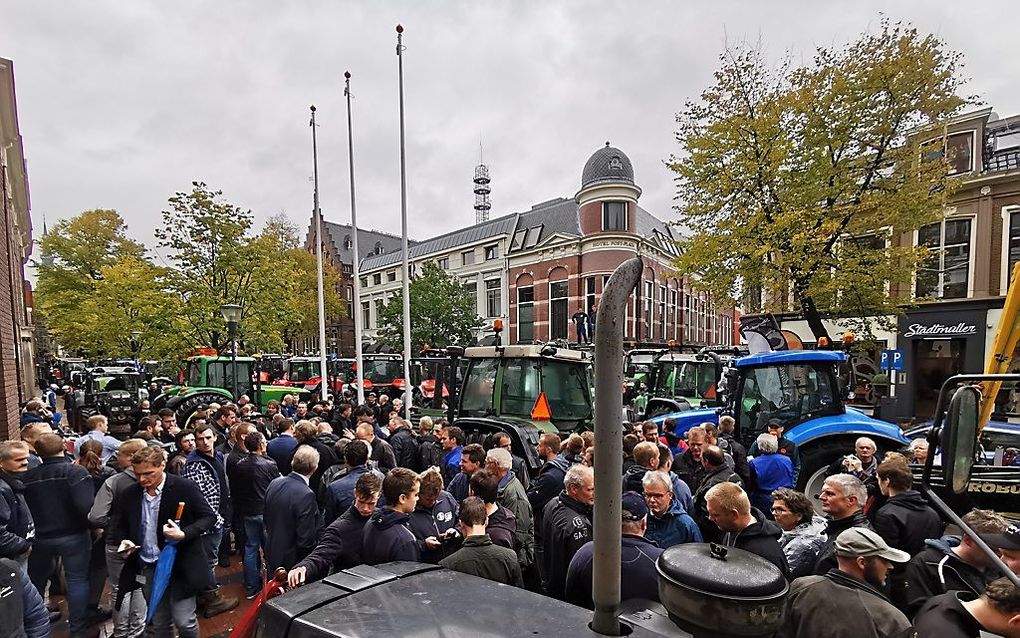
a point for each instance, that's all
(497, 325)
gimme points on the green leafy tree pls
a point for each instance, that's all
(442, 312)
(786, 175)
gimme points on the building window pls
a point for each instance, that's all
(493, 293)
(673, 312)
(471, 290)
(376, 279)
(378, 250)
(526, 314)
(444, 263)
(945, 274)
(364, 282)
(589, 293)
(558, 315)
(379, 303)
(647, 318)
(1013, 251)
(662, 313)
(957, 147)
(347, 242)
(468, 256)
(366, 317)
(492, 252)
(391, 276)
(348, 293)
(614, 215)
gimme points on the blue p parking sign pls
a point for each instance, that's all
(892, 360)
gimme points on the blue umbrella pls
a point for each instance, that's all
(164, 565)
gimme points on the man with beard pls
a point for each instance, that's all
(847, 601)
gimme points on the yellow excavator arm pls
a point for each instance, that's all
(1000, 359)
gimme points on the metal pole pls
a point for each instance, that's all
(612, 314)
(323, 385)
(356, 259)
(233, 356)
(406, 277)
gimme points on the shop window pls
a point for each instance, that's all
(945, 274)
(614, 215)
(526, 314)
(558, 315)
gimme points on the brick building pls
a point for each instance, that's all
(17, 367)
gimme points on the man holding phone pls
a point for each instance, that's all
(162, 508)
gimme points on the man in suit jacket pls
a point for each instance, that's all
(292, 513)
(145, 516)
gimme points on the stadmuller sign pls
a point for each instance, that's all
(918, 330)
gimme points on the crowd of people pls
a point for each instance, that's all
(312, 489)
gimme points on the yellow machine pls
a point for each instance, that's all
(1000, 360)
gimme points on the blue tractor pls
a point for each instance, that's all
(800, 389)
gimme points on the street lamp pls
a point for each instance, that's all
(232, 314)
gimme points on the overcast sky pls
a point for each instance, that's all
(122, 103)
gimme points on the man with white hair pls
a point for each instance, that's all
(291, 513)
(863, 464)
(842, 497)
(668, 523)
(512, 496)
(566, 527)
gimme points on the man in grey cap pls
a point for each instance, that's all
(847, 602)
(638, 578)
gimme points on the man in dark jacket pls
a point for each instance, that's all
(307, 433)
(472, 459)
(501, 525)
(716, 471)
(743, 526)
(905, 521)
(512, 496)
(16, 527)
(21, 606)
(949, 564)
(502, 440)
(842, 497)
(405, 447)
(736, 450)
(848, 600)
(549, 482)
(388, 536)
(688, 465)
(478, 555)
(291, 513)
(434, 516)
(638, 577)
(59, 494)
(146, 514)
(430, 450)
(342, 539)
(962, 615)
(646, 458)
(379, 451)
(340, 493)
(566, 527)
(281, 448)
(252, 477)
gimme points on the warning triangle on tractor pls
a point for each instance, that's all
(541, 411)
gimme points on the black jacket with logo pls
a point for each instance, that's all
(566, 527)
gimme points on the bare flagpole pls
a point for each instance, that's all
(323, 376)
(356, 306)
(403, 227)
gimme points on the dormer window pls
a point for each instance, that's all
(378, 248)
(347, 242)
(614, 216)
(957, 147)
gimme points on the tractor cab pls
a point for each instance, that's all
(115, 392)
(383, 373)
(685, 381)
(639, 371)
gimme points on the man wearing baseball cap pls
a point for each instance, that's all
(638, 578)
(848, 601)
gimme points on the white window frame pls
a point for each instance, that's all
(1005, 213)
(499, 296)
(970, 255)
(551, 299)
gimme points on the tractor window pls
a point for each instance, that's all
(520, 387)
(478, 388)
(566, 386)
(789, 393)
(220, 375)
(194, 377)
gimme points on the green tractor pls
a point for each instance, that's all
(208, 378)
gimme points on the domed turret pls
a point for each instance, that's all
(607, 165)
(607, 201)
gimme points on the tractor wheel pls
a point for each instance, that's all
(159, 402)
(184, 406)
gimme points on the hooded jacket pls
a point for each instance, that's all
(906, 521)
(388, 537)
(566, 527)
(802, 545)
(339, 548)
(762, 538)
(512, 496)
(937, 570)
(710, 479)
(405, 448)
(675, 526)
(16, 527)
(340, 492)
(827, 556)
(434, 521)
(21, 606)
(548, 484)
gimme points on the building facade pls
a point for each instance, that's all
(17, 358)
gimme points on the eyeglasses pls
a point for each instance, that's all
(656, 495)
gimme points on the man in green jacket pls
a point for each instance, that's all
(512, 496)
(478, 555)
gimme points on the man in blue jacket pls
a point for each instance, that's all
(340, 493)
(668, 523)
(388, 536)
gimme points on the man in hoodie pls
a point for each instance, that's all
(388, 536)
(962, 615)
(566, 527)
(472, 459)
(513, 497)
(646, 458)
(949, 564)
(342, 540)
(17, 531)
(501, 525)
(668, 523)
(340, 493)
(405, 447)
(478, 555)
(745, 527)
(905, 521)
(550, 476)
(434, 516)
(842, 498)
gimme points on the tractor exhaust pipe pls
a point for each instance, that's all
(612, 313)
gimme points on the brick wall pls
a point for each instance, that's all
(9, 262)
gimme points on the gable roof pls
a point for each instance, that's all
(335, 236)
(478, 232)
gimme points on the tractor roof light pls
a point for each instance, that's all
(497, 325)
(824, 342)
(849, 338)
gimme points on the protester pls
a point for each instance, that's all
(862, 464)
(646, 458)
(452, 440)
(380, 452)
(17, 529)
(687, 465)
(478, 555)
(960, 614)
(842, 498)
(550, 476)
(291, 513)
(59, 494)
(254, 473)
(770, 471)
(388, 536)
(566, 527)
(803, 531)
(90, 458)
(743, 526)
(513, 497)
(341, 544)
(681, 493)
(281, 448)
(918, 452)
(21, 607)
(96, 429)
(906, 520)
(949, 564)
(638, 576)
(405, 447)
(668, 523)
(472, 459)
(502, 440)
(433, 516)
(30, 435)
(185, 445)
(716, 471)
(847, 601)
(502, 524)
(736, 450)
(430, 449)
(307, 433)
(340, 493)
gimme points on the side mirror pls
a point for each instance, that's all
(959, 438)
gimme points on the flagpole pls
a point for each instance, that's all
(323, 376)
(356, 306)
(405, 278)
